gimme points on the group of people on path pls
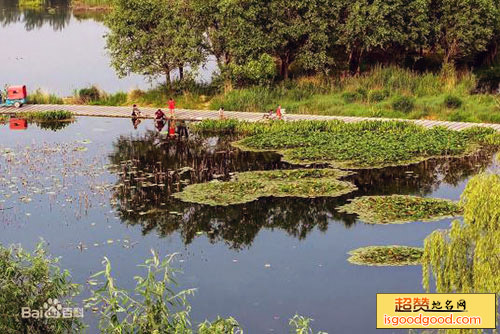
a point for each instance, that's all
(161, 118)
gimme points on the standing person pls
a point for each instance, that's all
(171, 107)
(278, 112)
(135, 111)
(221, 113)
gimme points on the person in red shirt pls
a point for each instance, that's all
(171, 106)
(278, 112)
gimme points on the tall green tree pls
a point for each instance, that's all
(299, 31)
(369, 25)
(463, 27)
(154, 37)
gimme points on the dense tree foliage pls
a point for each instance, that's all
(154, 37)
(247, 37)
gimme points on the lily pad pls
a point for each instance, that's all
(249, 186)
(386, 256)
(398, 209)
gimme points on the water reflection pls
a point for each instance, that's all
(55, 13)
(153, 166)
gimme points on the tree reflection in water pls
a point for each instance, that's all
(152, 167)
(56, 13)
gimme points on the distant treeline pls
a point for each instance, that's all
(257, 41)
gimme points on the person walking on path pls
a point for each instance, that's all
(278, 112)
(171, 107)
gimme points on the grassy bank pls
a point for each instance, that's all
(46, 116)
(384, 92)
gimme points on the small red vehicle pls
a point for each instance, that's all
(15, 96)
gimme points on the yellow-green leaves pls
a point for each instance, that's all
(249, 186)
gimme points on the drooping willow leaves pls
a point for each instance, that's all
(466, 258)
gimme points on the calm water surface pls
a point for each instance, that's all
(100, 188)
(58, 50)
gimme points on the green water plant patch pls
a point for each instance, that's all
(46, 116)
(400, 209)
(368, 144)
(249, 186)
(386, 256)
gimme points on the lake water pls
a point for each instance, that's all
(59, 51)
(99, 187)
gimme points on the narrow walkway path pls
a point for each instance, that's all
(105, 111)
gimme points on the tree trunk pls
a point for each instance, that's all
(285, 64)
(181, 73)
(167, 77)
(355, 61)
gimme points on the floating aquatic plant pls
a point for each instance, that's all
(386, 256)
(249, 186)
(46, 116)
(366, 144)
(400, 209)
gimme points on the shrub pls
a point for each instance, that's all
(39, 97)
(403, 103)
(89, 94)
(351, 97)
(377, 95)
(29, 280)
(452, 102)
(363, 93)
(261, 71)
(46, 116)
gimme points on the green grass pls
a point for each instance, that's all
(390, 92)
(386, 256)
(368, 144)
(374, 94)
(400, 209)
(249, 186)
(40, 97)
(46, 116)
